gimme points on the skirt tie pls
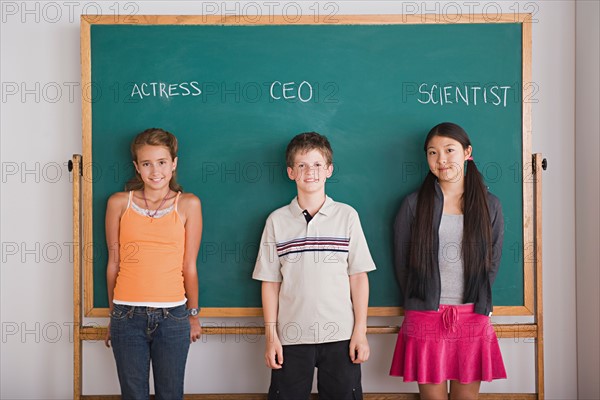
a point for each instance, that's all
(450, 318)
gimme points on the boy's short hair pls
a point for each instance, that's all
(308, 141)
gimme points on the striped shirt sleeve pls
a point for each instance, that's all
(268, 267)
(359, 256)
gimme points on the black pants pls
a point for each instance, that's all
(337, 377)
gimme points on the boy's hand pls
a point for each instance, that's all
(274, 353)
(359, 348)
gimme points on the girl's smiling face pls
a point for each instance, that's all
(446, 158)
(155, 166)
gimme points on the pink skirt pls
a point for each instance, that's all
(453, 343)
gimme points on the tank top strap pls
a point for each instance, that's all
(130, 197)
(176, 201)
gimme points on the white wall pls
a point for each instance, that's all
(41, 130)
(587, 197)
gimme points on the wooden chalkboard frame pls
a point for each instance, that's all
(534, 330)
(528, 220)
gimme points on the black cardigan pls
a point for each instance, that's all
(402, 238)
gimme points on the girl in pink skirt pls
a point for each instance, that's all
(448, 244)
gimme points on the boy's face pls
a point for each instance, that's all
(310, 171)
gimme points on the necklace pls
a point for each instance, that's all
(152, 215)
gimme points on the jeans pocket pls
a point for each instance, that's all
(357, 393)
(178, 313)
(119, 312)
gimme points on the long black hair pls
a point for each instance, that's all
(477, 228)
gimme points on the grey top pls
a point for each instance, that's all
(402, 237)
(450, 259)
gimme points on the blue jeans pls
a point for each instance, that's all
(143, 334)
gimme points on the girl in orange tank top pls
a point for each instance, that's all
(153, 232)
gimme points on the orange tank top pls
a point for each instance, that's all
(151, 257)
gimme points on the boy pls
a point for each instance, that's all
(313, 261)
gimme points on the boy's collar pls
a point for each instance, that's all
(296, 210)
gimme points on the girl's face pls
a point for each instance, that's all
(155, 166)
(446, 158)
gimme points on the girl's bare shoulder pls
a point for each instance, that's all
(118, 201)
(188, 201)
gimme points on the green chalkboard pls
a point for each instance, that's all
(235, 95)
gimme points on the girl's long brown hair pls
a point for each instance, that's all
(477, 228)
(153, 137)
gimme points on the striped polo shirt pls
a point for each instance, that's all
(313, 261)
